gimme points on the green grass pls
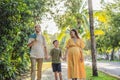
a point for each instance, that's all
(101, 75)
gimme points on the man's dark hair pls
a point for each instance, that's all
(54, 41)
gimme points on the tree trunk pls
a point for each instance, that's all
(107, 56)
(119, 56)
(78, 23)
(93, 44)
(112, 55)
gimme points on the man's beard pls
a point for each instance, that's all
(37, 31)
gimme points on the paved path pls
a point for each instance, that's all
(49, 75)
(112, 68)
(108, 67)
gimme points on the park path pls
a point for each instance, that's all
(112, 68)
(49, 75)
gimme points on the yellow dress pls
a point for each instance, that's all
(76, 67)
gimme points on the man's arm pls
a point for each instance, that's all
(46, 54)
(45, 48)
(31, 43)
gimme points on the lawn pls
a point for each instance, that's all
(102, 76)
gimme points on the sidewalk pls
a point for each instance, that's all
(102, 66)
(49, 75)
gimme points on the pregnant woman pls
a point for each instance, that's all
(74, 46)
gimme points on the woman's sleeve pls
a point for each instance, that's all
(82, 45)
(67, 44)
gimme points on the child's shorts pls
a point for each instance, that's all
(56, 67)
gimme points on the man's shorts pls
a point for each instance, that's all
(56, 67)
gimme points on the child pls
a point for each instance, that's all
(56, 54)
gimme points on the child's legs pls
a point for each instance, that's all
(59, 70)
(60, 75)
(55, 74)
(54, 68)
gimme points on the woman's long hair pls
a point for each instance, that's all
(76, 33)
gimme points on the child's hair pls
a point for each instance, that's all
(54, 41)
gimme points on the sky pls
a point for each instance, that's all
(50, 25)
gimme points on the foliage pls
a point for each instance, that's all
(16, 19)
(19, 16)
(111, 40)
(75, 16)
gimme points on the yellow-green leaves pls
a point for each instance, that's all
(101, 16)
(96, 32)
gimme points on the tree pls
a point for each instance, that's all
(74, 17)
(93, 44)
(16, 21)
(110, 25)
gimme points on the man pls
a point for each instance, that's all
(38, 50)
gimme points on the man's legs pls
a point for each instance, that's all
(33, 68)
(39, 68)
